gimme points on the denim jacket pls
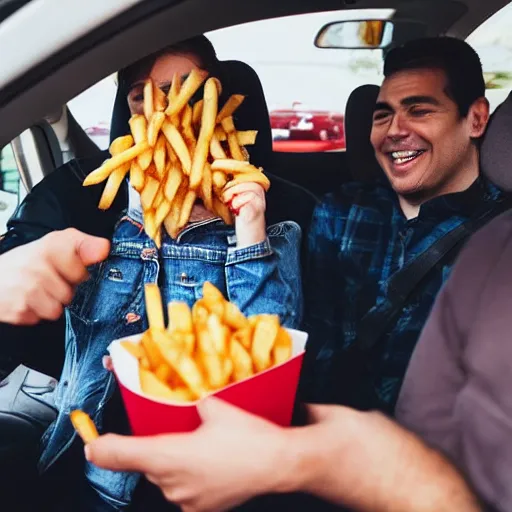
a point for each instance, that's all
(263, 278)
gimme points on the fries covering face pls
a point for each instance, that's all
(206, 348)
(179, 153)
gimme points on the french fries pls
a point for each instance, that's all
(205, 348)
(180, 153)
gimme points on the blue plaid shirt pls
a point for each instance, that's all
(358, 239)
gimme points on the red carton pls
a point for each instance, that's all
(269, 394)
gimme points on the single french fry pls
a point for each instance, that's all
(159, 155)
(232, 166)
(216, 149)
(178, 145)
(197, 113)
(84, 426)
(174, 179)
(186, 125)
(189, 87)
(233, 317)
(110, 165)
(213, 299)
(247, 138)
(186, 209)
(160, 99)
(148, 99)
(149, 192)
(210, 359)
(172, 220)
(206, 187)
(264, 337)
(138, 127)
(250, 177)
(205, 133)
(154, 309)
(220, 209)
(180, 317)
(157, 238)
(137, 178)
(151, 350)
(162, 212)
(229, 107)
(282, 350)
(219, 333)
(114, 182)
(121, 144)
(135, 349)
(154, 127)
(150, 223)
(174, 89)
(219, 179)
(242, 362)
(234, 147)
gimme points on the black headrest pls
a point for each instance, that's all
(237, 78)
(358, 126)
(496, 150)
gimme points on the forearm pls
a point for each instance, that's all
(265, 277)
(374, 465)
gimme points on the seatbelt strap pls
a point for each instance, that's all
(374, 324)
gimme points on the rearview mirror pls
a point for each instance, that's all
(362, 34)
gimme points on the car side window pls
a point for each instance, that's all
(493, 42)
(11, 187)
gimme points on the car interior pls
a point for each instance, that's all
(104, 39)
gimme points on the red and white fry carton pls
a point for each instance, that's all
(269, 394)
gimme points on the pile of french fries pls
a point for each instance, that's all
(178, 153)
(204, 348)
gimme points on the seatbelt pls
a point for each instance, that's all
(374, 324)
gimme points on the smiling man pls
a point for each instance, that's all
(429, 116)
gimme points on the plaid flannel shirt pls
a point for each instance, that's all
(358, 239)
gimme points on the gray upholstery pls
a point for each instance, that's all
(496, 151)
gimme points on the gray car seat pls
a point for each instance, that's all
(358, 125)
(496, 150)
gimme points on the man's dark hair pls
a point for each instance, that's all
(199, 46)
(460, 63)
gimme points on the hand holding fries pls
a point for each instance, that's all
(247, 202)
(180, 153)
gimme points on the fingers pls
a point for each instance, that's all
(319, 413)
(241, 189)
(71, 251)
(44, 305)
(150, 455)
(106, 361)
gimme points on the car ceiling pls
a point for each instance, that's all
(156, 23)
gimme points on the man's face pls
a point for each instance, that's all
(161, 73)
(421, 141)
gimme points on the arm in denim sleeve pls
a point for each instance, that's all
(265, 277)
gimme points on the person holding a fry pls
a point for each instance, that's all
(195, 213)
